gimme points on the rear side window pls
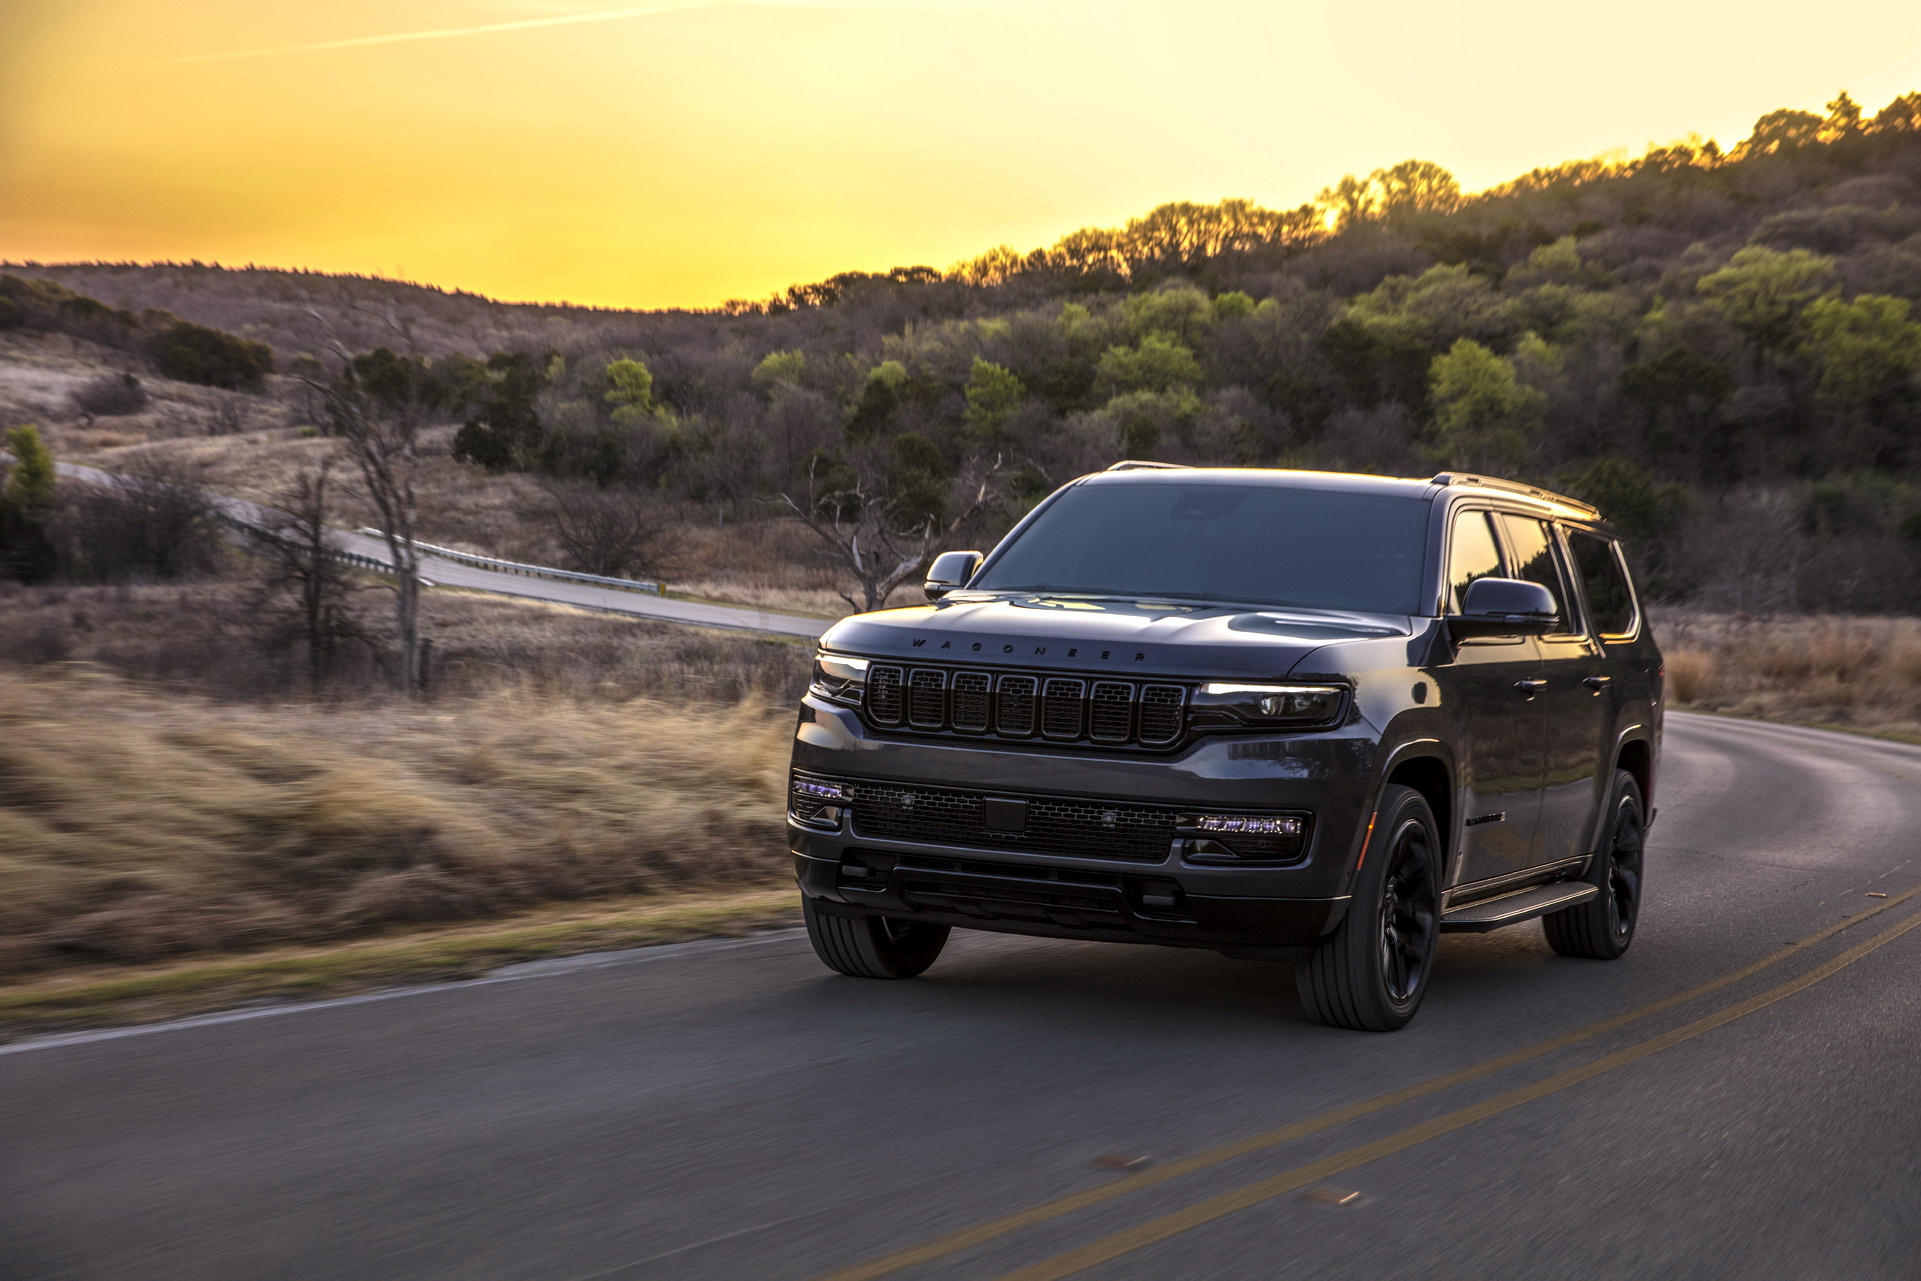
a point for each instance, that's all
(1532, 545)
(1610, 597)
(1472, 553)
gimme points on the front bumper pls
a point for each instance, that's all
(1251, 910)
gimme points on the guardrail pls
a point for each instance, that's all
(333, 553)
(531, 571)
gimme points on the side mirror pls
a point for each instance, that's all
(1504, 607)
(949, 571)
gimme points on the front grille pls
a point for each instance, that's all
(1059, 709)
(1054, 824)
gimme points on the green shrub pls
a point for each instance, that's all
(194, 353)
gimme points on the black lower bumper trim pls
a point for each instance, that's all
(1064, 903)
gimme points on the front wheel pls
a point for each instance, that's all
(1601, 928)
(872, 947)
(1371, 973)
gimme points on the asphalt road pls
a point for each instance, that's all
(731, 1110)
(450, 573)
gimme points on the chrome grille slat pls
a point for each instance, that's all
(1062, 709)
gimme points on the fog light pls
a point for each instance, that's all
(1252, 826)
(1242, 838)
(817, 803)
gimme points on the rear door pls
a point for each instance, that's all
(1496, 716)
(1575, 714)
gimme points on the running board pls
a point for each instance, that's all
(1524, 905)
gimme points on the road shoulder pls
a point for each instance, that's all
(120, 995)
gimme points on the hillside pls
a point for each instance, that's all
(1716, 345)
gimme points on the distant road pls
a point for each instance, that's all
(1717, 1104)
(447, 573)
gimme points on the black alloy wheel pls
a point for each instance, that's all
(1372, 971)
(1408, 928)
(1602, 928)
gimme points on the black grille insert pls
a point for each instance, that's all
(1061, 709)
(971, 702)
(1055, 824)
(1016, 706)
(884, 701)
(1163, 711)
(927, 698)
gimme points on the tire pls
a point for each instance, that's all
(1371, 973)
(1602, 928)
(872, 947)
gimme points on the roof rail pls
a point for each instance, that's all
(1513, 487)
(1135, 464)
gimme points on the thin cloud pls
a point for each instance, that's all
(519, 24)
(443, 33)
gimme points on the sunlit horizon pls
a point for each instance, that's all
(684, 154)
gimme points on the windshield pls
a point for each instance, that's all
(1246, 544)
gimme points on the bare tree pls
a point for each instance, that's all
(378, 405)
(306, 591)
(881, 535)
(612, 530)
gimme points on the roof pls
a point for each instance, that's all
(1133, 472)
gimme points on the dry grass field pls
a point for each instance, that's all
(1852, 673)
(137, 826)
(209, 638)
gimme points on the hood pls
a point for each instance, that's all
(1113, 635)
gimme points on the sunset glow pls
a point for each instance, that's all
(680, 154)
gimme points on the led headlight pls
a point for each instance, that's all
(839, 679)
(1272, 704)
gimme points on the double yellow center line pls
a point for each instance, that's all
(1158, 1229)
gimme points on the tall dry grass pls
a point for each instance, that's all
(1857, 672)
(136, 825)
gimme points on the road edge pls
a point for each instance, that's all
(124, 995)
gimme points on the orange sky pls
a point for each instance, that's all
(683, 153)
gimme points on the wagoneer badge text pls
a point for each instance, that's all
(1107, 655)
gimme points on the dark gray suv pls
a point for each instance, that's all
(1283, 715)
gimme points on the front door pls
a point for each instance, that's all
(1574, 710)
(1492, 685)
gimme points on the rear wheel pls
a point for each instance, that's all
(1601, 928)
(1372, 972)
(872, 947)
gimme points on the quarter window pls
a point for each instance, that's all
(1610, 597)
(1472, 553)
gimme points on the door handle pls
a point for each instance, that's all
(1597, 683)
(1530, 687)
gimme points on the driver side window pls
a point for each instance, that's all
(1472, 553)
(1535, 562)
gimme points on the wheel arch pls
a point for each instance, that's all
(1635, 754)
(1428, 767)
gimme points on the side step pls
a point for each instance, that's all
(1523, 905)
